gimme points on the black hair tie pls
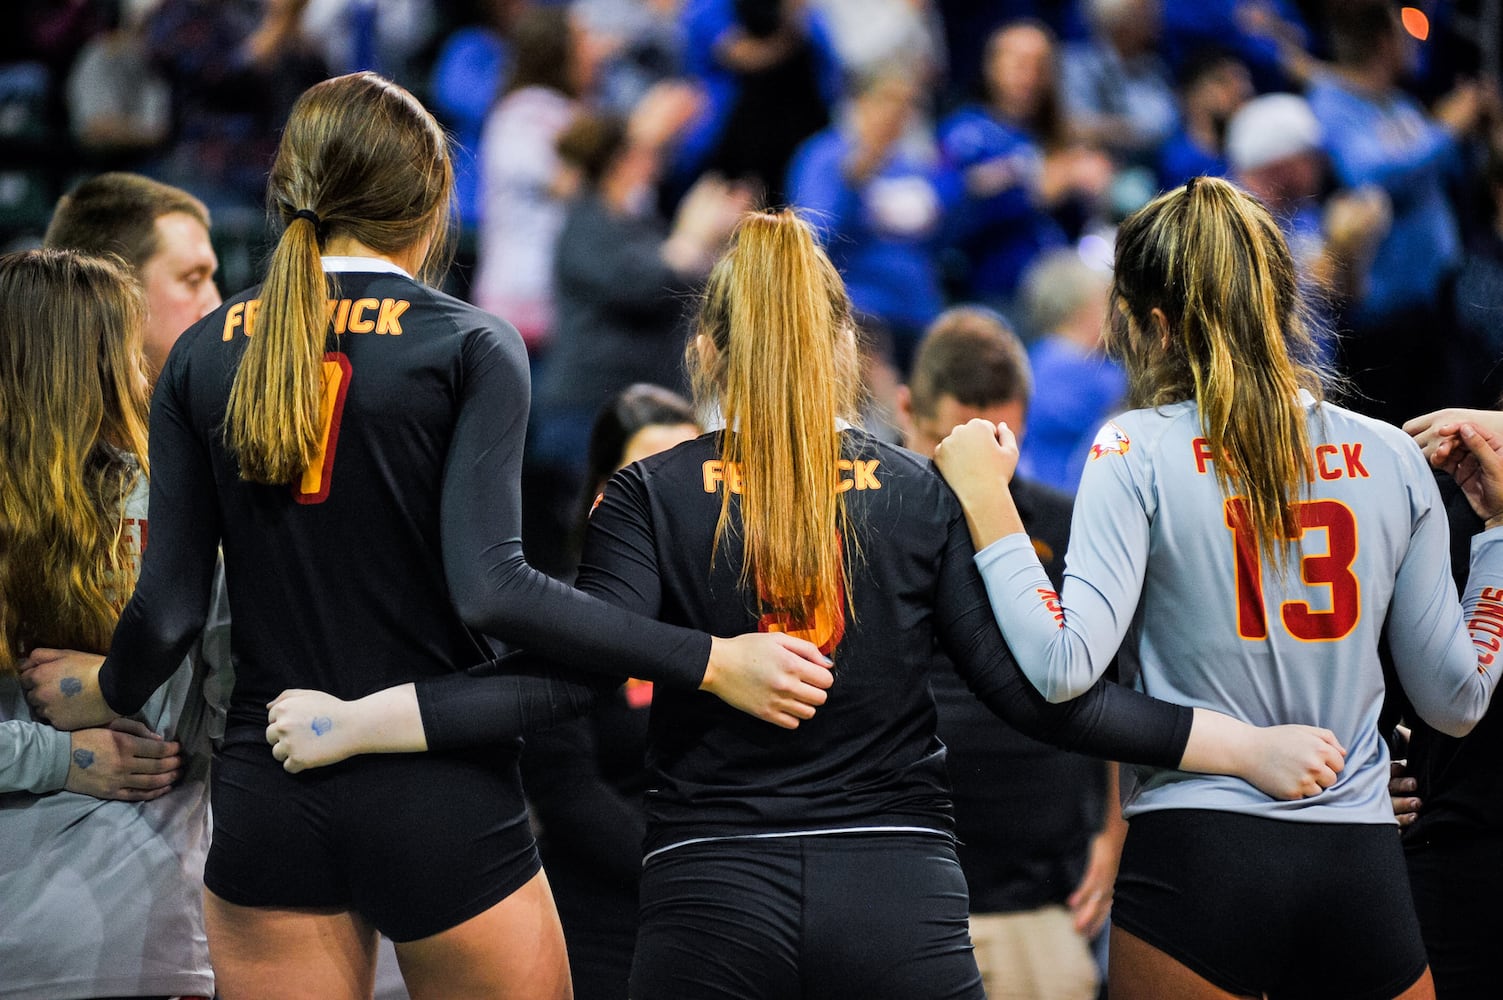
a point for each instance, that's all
(1189, 185)
(311, 216)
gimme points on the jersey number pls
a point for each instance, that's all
(1331, 569)
(334, 384)
(825, 630)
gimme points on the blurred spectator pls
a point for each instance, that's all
(1020, 164)
(523, 186)
(235, 68)
(1076, 386)
(770, 77)
(875, 189)
(119, 107)
(467, 76)
(869, 34)
(619, 283)
(1117, 89)
(42, 39)
(585, 779)
(642, 44)
(380, 35)
(969, 24)
(1269, 36)
(1274, 145)
(1377, 134)
(1213, 85)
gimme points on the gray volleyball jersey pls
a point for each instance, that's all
(104, 898)
(1160, 564)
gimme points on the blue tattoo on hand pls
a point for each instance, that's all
(322, 724)
(83, 758)
(70, 686)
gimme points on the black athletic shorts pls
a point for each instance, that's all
(1259, 905)
(1458, 882)
(865, 916)
(415, 843)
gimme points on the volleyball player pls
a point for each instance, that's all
(352, 437)
(103, 831)
(1250, 543)
(816, 862)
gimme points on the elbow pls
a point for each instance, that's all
(1456, 717)
(474, 608)
(1453, 724)
(1455, 727)
(1057, 690)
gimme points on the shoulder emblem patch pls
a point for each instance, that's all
(1110, 440)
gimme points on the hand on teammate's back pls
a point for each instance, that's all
(774, 676)
(124, 760)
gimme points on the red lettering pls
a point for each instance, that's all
(1352, 455)
(1320, 461)
(1202, 449)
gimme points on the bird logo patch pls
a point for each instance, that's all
(1110, 440)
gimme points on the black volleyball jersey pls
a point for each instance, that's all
(870, 756)
(395, 549)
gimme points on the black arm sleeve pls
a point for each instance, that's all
(166, 613)
(493, 588)
(1107, 721)
(515, 696)
(523, 692)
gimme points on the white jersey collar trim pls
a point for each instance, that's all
(340, 265)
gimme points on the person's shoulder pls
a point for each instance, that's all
(1339, 422)
(876, 464)
(224, 325)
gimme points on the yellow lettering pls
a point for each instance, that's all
(232, 319)
(714, 474)
(841, 485)
(390, 320)
(866, 474)
(341, 315)
(251, 308)
(358, 322)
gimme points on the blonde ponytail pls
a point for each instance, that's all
(1208, 296)
(784, 372)
(273, 414)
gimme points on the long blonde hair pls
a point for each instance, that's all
(366, 159)
(1211, 259)
(73, 405)
(784, 371)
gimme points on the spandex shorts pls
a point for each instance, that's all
(1277, 907)
(415, 843)
(841, 916)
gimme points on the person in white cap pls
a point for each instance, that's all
(1273, 144)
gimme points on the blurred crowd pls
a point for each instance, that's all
(975, 151)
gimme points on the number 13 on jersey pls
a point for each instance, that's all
(1331, 570)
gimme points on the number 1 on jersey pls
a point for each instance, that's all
(1331, 569)
(334, 384)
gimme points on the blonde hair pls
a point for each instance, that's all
(369, 161)
(73, 405)
(784, 371)
(1211, 259)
